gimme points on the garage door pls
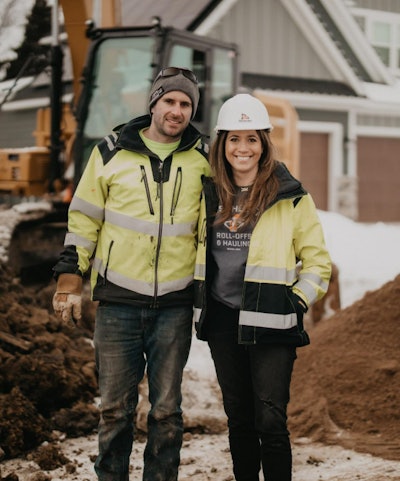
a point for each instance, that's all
(314, 166)
(378, 170)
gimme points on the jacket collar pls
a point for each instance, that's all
(289, 186)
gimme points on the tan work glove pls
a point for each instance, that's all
(67, 301)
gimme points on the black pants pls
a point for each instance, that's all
(255, 385)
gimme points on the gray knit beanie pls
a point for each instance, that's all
(162, 85)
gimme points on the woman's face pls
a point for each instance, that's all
(243, 149)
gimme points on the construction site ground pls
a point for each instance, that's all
(344, 412)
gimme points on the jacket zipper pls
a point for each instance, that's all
(160, 229)
(176, 193)
(146, 186)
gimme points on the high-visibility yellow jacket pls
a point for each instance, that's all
(134, 218)
(287, 258)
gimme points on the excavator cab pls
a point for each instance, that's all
(120, 67)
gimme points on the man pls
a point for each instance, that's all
(135, 213)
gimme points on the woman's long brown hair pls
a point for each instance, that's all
(264, 189)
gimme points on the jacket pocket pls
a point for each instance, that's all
(147, 189)
(299, 308)
(107, 262)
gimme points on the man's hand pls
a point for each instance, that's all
(68, 307)
(67, 301)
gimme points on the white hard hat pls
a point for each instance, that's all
(243, 112)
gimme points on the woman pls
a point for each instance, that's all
(261, 262)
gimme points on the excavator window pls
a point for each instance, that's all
(222, 82)
(121, 79)
(116, 90)
(215, 71)
(195, 60)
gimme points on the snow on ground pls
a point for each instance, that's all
(367, 255)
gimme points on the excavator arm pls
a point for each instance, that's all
(77, 14)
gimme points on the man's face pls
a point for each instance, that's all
(170, 117)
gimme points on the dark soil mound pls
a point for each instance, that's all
(346, 384)
(47, 375)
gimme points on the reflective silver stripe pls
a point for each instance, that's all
(310, 276)
(274, 274)
(316, 279)
(309, 290)
(196, 314)
(200, 271)
(145, 288)
(72, 239)
(262, 319)
(146, 227)
(324, 286)
(86, 208)
(110, 142)
(172, 286)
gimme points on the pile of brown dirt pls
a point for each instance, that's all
(47, 374)
(346, 384)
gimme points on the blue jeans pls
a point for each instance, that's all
(127, 338)
(255, 386)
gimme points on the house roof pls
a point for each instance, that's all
(180, 14)
(292, 84)
(343, 29)
(335, 33)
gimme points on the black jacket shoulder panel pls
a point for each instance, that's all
(204, 149)
(107, 147)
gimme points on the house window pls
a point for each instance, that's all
(383, 31)
(381, 40)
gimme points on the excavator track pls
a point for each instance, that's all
(31, 239)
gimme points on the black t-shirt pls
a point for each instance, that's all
(229, 248)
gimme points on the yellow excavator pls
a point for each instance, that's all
(113, 67)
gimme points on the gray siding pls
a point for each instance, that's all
(378, 121)
(384, 5)
(269, 41)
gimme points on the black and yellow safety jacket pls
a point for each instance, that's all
(288, 266)
(133, 219)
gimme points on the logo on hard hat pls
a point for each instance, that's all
(244, 118)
